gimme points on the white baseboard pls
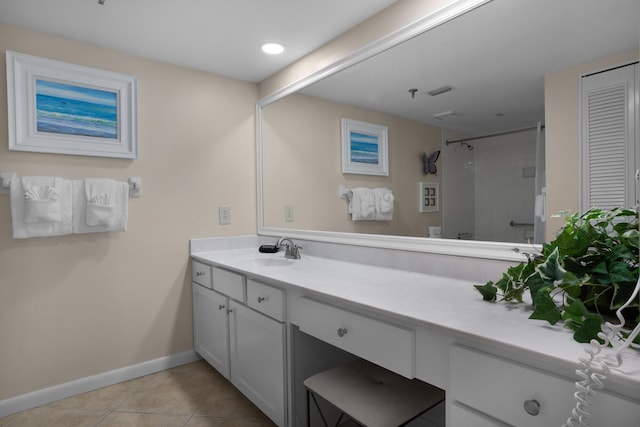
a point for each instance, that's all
(94, 382)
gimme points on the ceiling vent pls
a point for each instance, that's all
(440, 90)
(445, 115)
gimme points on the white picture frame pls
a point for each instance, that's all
(364, 148)
(62, 108)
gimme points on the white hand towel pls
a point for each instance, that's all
(112, 209)
(41, 203)
(362, 204)
(101, 206)
(40, 206)
(384, 204)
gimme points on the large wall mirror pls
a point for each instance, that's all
(488, 122)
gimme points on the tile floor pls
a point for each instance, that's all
(192, 395)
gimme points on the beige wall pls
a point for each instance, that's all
(562, 134)
(302, 167)
(79, 305)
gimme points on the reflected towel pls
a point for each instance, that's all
(362, 204)
(40, 206)
(384, 204)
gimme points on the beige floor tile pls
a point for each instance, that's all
(58, 417)
(198, 421)
(105, 398)
(129, 419)
(228, 402)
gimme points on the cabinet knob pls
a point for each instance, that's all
(261, 299)
(342, 332)
(221, 307)
(230, 310)
(532, 407)
(199, 273)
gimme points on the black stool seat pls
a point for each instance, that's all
(374, 396)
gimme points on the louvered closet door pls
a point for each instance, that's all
(608, 150)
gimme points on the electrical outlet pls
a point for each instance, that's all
(288, 213)
(224, 215)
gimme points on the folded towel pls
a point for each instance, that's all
(40, 206)
(362, 204)
(384, 204)
(100, 205)
(41, 203)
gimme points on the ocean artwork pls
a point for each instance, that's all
(364, 148)
(68, 109)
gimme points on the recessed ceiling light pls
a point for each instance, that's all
(272, 48)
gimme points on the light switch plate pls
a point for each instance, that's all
(288, 213)
(224, 215)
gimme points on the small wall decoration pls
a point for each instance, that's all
(428, 197)
(430, 162)
(56, 107)
(364, 148)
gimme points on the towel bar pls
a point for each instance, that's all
(135, 184)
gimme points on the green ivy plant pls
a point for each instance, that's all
(582, 277)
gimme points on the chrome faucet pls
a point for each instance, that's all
(292, 251)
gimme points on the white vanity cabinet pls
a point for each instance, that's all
(257, 359)
(247, 346)
(494, 391)
(211, 327)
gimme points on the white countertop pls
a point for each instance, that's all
(451, 305)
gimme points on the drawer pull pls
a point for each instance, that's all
(342, 332)
(532, 407)
(221, 307)
(199, 273)
(230, 310)
(261, 299)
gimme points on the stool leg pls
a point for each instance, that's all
(313, 396)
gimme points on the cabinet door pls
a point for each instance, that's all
(257, 359)
(211, 327)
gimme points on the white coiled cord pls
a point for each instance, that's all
(594, 370)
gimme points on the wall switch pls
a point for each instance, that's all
(288, 213)
(224, 215)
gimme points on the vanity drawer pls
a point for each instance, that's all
(385, 344)
(228, 283)
(266, 299)
(201, 273)
(499, 387)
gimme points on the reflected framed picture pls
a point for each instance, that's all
(364, 148)
(62, 108)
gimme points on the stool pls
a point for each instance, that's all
(370, 395)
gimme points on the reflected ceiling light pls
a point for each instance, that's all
(440, 90)
(272, 48)
(445, 115)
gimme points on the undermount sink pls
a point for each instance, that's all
(272, 262)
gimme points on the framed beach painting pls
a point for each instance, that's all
(56, 107)
(364, 148)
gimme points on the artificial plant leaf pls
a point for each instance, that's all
(551, 269)
(545, 309)
(589, 329)
(488, 291)
(534, 282)
(621, 272)
(621, 294)
(575, 311)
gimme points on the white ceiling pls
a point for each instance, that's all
(495, 58)
(219, 36)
